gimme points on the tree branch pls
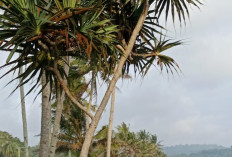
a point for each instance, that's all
(66, 90)
(145, 54)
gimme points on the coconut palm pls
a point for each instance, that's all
(126, 143)
(9, 146)
(99, 146)
(73, 120)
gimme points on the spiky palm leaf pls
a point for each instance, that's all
(43, 36)
(89, 30)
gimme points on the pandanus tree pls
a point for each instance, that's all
(107, 34)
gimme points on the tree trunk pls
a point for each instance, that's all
(90, 133)
(90, 101)
(59, 109)
(45, 119)
(50, 124)
(24, 116)
(110, 126)
(19, 151)
(69, 153)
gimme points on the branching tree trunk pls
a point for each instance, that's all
(24, 116)
(95, 119)
(45, 119)
(59, 109)
(110, 126)
(90, 133)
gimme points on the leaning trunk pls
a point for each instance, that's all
(24, 117)
(45, 119)
(59, 108)
(90, 133)
(109, 135)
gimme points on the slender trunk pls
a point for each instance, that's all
(90, 101)
(59, 109)
(56, 124)
(50, 123)
(45, 119)
(19, 151)
(110, 126)
(69, 153)
(90, 133)
(24, 116)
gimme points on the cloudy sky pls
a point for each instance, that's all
(191, 108)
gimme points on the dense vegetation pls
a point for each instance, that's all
(10, 146)
(124, 142)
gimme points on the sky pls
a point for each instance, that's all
(193, 107)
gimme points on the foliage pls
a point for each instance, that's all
(9, 145)
(126, 143)
(43, 33)
(72, 125)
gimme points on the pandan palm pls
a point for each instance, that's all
(44, 34)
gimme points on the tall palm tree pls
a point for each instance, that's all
(59, 107)
(110, 126)
(73, 120)
(9, 145)
(45, 118)
(24, 118)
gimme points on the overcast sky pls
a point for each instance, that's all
(192, 108)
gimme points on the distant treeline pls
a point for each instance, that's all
(198, 151)
(209, 153)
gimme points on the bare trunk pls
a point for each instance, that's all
(50, 123)
(19, 151)
(110, 126)
(59, 109)
(24, 116)
(45, 119)
(90, 133)
(69, 153)
(90, 101)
